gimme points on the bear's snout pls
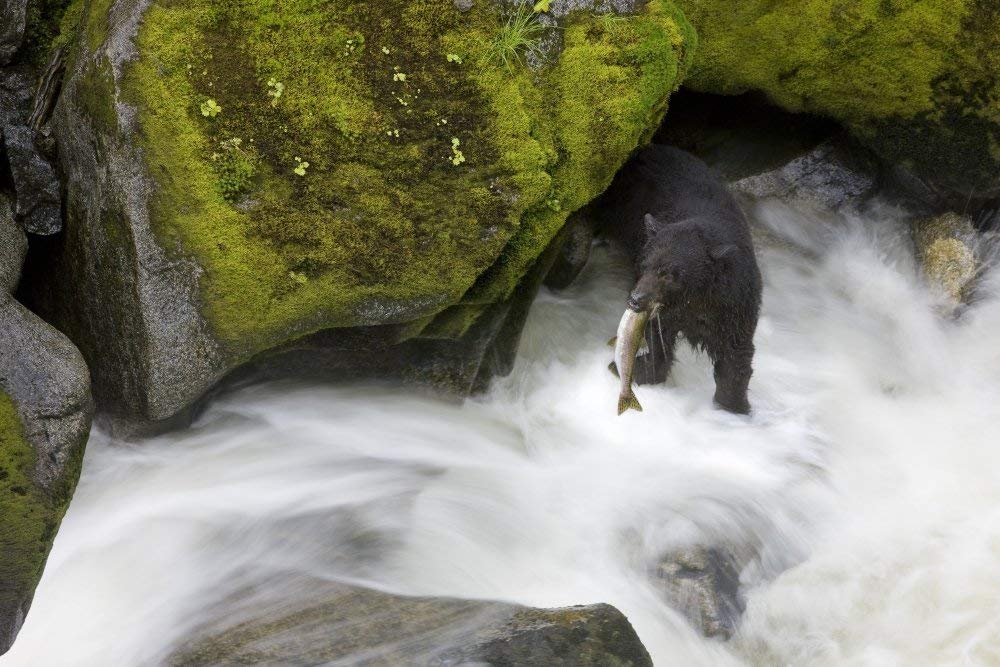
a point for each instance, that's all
(644, 295)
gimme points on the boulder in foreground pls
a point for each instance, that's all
(335, 622)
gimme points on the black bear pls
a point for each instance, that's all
(696, 273)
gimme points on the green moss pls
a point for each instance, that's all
(97, 98)
(42, 29)
(848, 59)
(607, 94)
(29, 516)
(917, 79)
(386, 225)
(452, 323)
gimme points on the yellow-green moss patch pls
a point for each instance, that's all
(918, 80)
(348, 163)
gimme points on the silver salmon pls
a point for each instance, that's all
(627, 344)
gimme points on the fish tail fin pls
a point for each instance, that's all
(614, 369)
(628, 402)
(612, 341)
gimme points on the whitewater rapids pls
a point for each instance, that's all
(867, 479)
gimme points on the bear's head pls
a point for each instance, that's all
(677, 262)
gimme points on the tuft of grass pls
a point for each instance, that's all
(520, 35)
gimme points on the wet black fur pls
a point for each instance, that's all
(695, 255)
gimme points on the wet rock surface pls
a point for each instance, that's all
(26, 154)
(575, 252)
(703, 583)
(12, 24)
(35, 182)
(13, 247)
(45, 414)
(339, 623)
(833, 175)
(945, 246)
(15, 95)
(48, 379)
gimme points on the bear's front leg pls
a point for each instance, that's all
(732, 378)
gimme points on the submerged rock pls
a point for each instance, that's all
(945, 249)
(831, 176)
(240, 177)
(585, 636)
(361, 626)
(915, 81)
(704, 585)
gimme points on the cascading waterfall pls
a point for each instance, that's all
(865, 481)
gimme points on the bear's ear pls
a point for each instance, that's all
(651, 226)
(723, 251)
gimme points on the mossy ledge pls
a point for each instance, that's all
(915, 79)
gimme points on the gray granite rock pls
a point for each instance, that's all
(12, 23)
(13, 247)
(16, 90)
(833, 176)
(329, 623)
(38, 202)
(704, 585)
(45, 374)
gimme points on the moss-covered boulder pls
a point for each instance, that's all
(45, 415)
(917, 80)
(240, 175)
(44, 421)
(945, 247)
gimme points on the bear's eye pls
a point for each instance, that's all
(673, 274)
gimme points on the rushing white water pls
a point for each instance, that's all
(867, 477)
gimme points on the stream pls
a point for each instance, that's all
(866, 480)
